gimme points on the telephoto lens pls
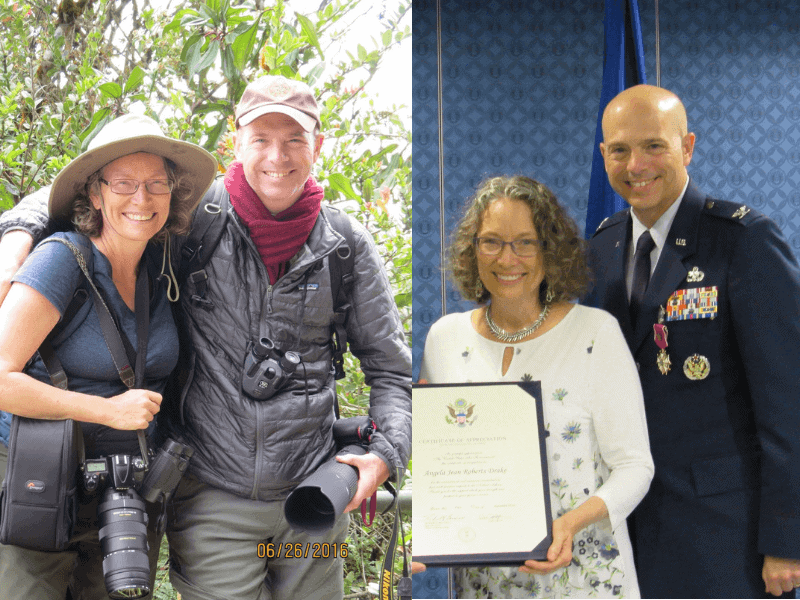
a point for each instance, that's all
(314, 505)
(123, 539)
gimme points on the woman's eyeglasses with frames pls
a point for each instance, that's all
(492, 246)
(129, 187)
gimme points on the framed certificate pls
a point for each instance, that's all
(481, 493)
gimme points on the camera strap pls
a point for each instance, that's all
(372, 502)
(404, 585)
(121, 356)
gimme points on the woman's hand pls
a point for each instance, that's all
(133, 410)
(558, 555)
(564, 529)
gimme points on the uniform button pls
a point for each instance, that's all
(638, 366)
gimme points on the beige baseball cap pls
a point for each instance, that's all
(276, 94)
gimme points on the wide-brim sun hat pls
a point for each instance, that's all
(126, 135)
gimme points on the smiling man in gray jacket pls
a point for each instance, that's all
(268, 277)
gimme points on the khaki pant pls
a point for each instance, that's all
(214, 539)
(33, 575)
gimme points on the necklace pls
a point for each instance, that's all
(501, 335)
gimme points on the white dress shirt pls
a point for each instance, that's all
(659, 231)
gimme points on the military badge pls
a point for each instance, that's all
(696, 367)
(695, 275)
(662, 358)
(692, 303)
(740, 212)
(461, 413)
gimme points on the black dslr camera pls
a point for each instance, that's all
(121, 514)
(266, 369)
(314, 505)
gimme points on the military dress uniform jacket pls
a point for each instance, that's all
(725, 437)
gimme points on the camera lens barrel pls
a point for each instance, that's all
(123, 537)
(314, 505)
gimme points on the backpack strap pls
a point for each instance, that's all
(341, 264)
(207, 228)
(79, 298)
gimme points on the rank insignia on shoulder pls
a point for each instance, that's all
(740, 212)
(692, 303)
(710, 204)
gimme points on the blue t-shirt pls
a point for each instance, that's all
(52, 270)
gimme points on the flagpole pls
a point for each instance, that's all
(439, 82)
(658, 49)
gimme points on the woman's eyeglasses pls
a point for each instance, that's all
(492, 246)
(128, 187)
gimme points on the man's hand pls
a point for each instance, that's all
(780, 574)
(14, 249)
(372, 472)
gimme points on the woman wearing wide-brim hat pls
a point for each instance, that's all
(124, 195)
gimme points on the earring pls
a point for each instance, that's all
(550, 296)
(479, 290)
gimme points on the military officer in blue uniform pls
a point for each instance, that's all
(716, 336)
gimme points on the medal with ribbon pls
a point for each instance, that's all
(660, 336)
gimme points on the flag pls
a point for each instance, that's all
(623, 67)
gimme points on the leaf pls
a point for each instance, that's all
(111, 90)
(309, 31)
(177, 20)
(100, 118)
(210, 107)
(192, 48)
(314, 74)
(340, 183)
(214, 134)
(228, 68)
(206, 60)
(362, 53)
(134, 79)
(243, 45)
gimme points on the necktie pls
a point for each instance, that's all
(641, 273)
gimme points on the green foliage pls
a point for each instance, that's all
(67, 68)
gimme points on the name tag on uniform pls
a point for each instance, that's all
(692, 303)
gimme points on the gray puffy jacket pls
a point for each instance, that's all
(262, 450)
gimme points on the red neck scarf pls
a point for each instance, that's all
(277, 237)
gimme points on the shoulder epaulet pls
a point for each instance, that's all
(614, 219)
(732, 211)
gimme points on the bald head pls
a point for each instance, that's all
(646, 149)
(641, 99)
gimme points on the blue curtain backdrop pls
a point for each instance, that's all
(623, 67)
(521, 90)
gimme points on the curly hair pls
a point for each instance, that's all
(563, 249)
(89, 221)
